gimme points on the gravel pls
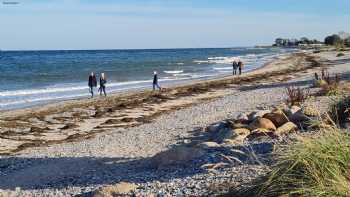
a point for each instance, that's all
(122, 155)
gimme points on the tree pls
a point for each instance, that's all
(347, 42)
(332, 40)
(304, 40)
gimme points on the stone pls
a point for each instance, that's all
(288, 127)
(177, 155)
(209, 145)
(260, 132)
(216, 127)
(278, 119)
(242, 117)
(241, 134)
(224, 133)
(237, 124)
(262, 123)
(254, 115)
(242, 131)
(292, 110)
(310, 111)
(122, 188)
(298, 117)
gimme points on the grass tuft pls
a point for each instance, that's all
(313, 166)
(330, 85)
(340, 111)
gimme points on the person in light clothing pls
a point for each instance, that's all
(103, 82)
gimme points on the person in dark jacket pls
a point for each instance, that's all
(92, 83)
(240, 67)
(155, 81)
(103, 82)
(234, 67)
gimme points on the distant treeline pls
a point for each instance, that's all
(338, 40)
(341, 39)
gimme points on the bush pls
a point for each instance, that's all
(340, 112)
(329, 85)
(332, 40)
(317, 166)
(296, 95)
(320, 83)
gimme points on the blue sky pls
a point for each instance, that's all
(121, 24)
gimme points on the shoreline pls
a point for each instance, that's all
(136, 91)
(33, 96)
(82, 119)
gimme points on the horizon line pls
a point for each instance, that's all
(112, 49)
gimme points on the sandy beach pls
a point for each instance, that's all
(72, 148)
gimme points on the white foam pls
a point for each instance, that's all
(24, 101)
(173, 71)
(182, 74)
(222, 68)
(201, 61)
(40, 91)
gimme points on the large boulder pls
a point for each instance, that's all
(262, 123)
(278, 119)
(122, 188)
(177, 155)
(254, 115)
(287, 128)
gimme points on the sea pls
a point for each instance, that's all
(30, 78)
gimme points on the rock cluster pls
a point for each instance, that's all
(244, 130)
(272, 124)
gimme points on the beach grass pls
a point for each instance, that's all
(313, 166)
(340, 111)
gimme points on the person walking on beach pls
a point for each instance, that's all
(92, 83)
(103, 82)
(155, 81)
(240, 67)
(234, 67)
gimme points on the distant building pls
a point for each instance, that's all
(282, 42)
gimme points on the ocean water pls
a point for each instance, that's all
(30, 78)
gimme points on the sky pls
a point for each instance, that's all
(142, 24)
